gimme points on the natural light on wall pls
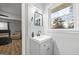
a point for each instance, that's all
(61, 12)
(62, 18)
(3, 26)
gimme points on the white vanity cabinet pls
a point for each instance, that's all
(42, 46)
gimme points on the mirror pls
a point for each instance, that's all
(38, 19)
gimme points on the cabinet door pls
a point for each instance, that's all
(45, 48)
(34, 48)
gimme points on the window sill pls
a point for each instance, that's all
(63, 31)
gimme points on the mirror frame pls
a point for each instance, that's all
(41, 19)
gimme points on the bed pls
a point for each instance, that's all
(5, 37)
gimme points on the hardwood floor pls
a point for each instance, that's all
(14, 48)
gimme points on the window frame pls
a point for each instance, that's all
(7, 23)
(69, 29)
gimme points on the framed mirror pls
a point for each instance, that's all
(38, 19)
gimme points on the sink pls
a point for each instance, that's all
(41, 38)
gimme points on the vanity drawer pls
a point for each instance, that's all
(45, 48)
(45, 44)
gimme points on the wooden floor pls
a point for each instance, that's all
(14, 48)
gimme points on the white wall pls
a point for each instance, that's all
(26, 27)
(65, 41)
(31, 27)
(31, 9)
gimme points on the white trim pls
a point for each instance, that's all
(62, 31)
(23, 29)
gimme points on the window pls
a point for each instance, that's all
(62, 19)
(3, 26)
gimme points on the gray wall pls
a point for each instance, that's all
(15, 26)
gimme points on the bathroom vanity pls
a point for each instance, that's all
(41, 45)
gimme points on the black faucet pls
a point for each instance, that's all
(38, 34)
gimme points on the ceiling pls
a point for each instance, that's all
(11, 8)
(40, 5)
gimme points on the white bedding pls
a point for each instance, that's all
(4, 35)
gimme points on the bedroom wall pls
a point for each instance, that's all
(15, 26)
(11, 16)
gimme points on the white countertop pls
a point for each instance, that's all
(41, 38)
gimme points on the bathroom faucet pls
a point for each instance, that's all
(38, 34)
